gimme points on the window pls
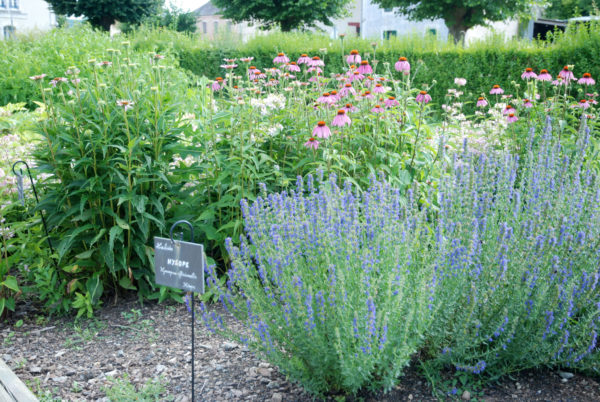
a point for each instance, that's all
(13, 4)
(204, 27)
(389, 34)
(3, 3)
(432, 32)
(9, 32)
(388, 10)
(216, 26)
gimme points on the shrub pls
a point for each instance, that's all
(112, 131)
(496, 273)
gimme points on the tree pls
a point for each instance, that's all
(169, 17)
(565, 9)
(459, 15)
(103, 13)
(287, 14)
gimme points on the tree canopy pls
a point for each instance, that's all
(103, 13)
(459, 15)
(564, 9)
(287, 14)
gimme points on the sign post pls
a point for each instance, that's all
(180, 265)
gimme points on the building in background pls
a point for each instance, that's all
(19, 16)
(210, 23)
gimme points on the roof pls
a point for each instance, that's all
(207, 9)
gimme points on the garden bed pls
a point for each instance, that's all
(128, 345)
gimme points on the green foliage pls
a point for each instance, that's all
(564, 9)
(287, 14)
(458, 15)
(121, 389)
(103, 13)
(110, 135)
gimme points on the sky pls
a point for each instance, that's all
(187, 5)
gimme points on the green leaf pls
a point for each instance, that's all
(85, 254)
(125, 283)
(94, 287)
(11, 283)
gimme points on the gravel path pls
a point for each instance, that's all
(134, 344)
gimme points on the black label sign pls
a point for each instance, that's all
(179, 264)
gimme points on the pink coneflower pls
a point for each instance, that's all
(229, 66)
(379, 89)
(461, 82)
(566, 74)
(356, 76)
(527, 103)
(583, 104)
(391, 102)
(347, 89)
(216, 86)
(586, 79)
(365, 68)
(312, 143)
(58, 80)
(321, 130)
(316, 62)
(272, 82)
(160, 57)
(304, 59)
(326, 99)
(105, 64)
(528, 74)
(293, 67)
(367, 95)
(423, 97)
(508, 109)
(353, 57)
(559, 81)
(369, 81)
(312, 69)
(334, 95)
(496, 90)
(315, 78)
(37, 77)
(246, 59)
(125, 104)
(229, 61)
(377, 109)
(481, 102)
(544, 75)
(341, 119)
(349, 108)
(402, 65)
(511, 118)
(281, 59)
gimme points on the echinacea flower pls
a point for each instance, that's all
(527, 103)
(583, 104)
(105, 64)
(304, 59)
(356, 75)
(315, 68)
(377, 109)
(365, 68)
(544, 75)
(423, 97)
(326, 99)
(508, 109)
(379, 89)
(349, 108)
(334, 95)
(391, 102)
(461, 82)
(586, 79)
(312, 143)
(229, 66)
(559, 81)
(316, 62)
(321, 130)
(528, 74)
(246, 59)
(37, 77)
(402, 65)
(353, 57)
(496, 90)
(566, 74)
(367, 95)
(58, 80)
(293, 67)
(281, 59)
(347, 89)
(341, 119)
(481, 102)
(511, 118)
(125, 104)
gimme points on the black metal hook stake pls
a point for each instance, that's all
(192, 298)
(37, 200)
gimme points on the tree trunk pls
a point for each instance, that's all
(458, 32)
(286, 25)
(455, 20)
(105, 22)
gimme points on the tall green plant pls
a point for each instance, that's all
(110, 136)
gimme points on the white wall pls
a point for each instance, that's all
(508, 29)
(30, 15)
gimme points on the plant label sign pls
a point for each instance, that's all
(179, 264)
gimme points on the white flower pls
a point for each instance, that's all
(460, 81)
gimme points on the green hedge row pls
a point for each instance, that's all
(434, 64)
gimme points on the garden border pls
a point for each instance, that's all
(11, 388)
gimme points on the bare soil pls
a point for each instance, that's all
(79, 360)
